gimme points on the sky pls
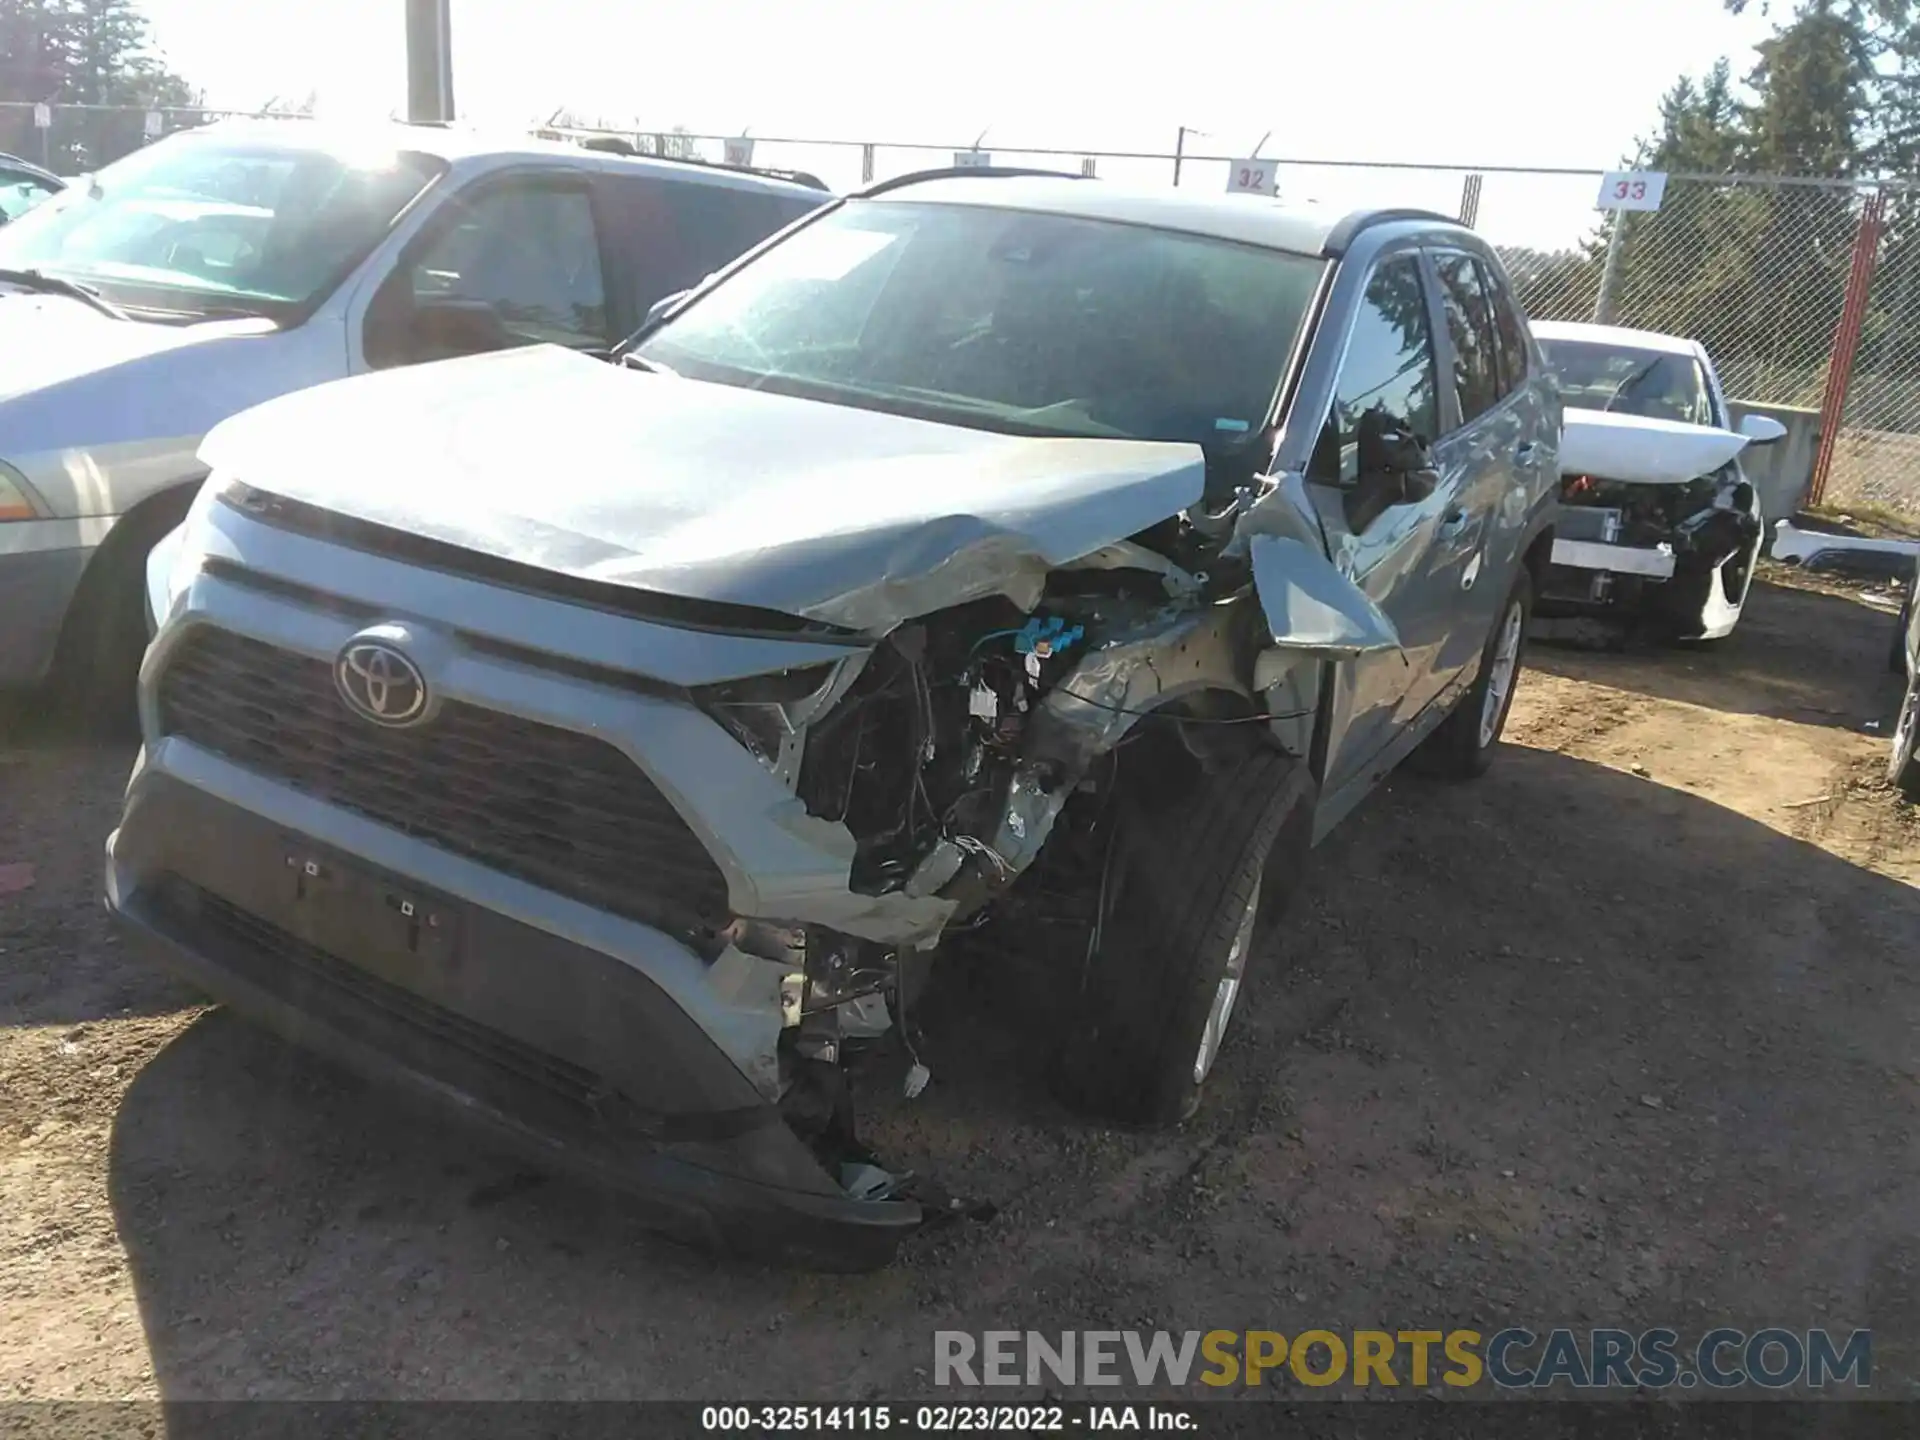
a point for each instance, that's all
(1549, 83)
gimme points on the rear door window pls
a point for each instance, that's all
(1511, 327)
(1470, 325)
(668, 234)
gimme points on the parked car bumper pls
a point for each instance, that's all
(573, 1057)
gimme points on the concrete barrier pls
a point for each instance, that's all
(1782, 471)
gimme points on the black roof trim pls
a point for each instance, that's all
(1340, 239)
(948, 172)
(617, 145)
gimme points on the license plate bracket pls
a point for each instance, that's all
(364, 917)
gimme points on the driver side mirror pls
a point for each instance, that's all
(1395, 468)
(1761, 429)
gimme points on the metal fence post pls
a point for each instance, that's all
(1470, 200)
(1609, 296)
(866, 164)
(1846, 341)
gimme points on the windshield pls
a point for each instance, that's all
(1006, 320)
(1654, 384)
(203, 224)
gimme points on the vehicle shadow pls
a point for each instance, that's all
(1797, 655)
(59, 960)
(1591, 1018)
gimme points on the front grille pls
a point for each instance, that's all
(554, 807)
(278, 956)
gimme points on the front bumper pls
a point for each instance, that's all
(568, 1054)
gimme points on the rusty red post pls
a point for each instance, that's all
(1846, 341)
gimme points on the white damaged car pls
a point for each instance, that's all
(1660, 527)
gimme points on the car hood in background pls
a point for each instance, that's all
(708, 492)
(1611, 446)
(47, 340)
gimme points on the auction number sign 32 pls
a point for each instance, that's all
(1252, 177)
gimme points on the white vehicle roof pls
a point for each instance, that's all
(1250, 219)
(1614, 335)
(458, 145)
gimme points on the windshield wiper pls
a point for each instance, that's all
(1639, 373)
(42, 283)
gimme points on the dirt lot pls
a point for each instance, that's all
(1624, 1034)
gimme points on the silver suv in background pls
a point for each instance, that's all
(221, 267)
(24, 185)
(612, 746)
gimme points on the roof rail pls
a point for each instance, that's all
(981, 172)
(1343, 234)
(615, 145)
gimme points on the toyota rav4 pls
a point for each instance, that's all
(607, 745)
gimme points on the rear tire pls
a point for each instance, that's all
(1193, 881)
(1463, 745)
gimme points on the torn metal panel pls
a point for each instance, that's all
(1136, 669)
(1127, 555)
(1312, 607)
(1640, 451)
(853, 517)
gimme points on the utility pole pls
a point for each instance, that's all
(429, 61)
(1607, 302)
(1179, 150)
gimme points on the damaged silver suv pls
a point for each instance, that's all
(606, 747)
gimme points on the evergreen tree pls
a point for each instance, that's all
(81, 52)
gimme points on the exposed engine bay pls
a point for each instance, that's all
(1671, 549)
(972, 739)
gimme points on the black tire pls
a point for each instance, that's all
(1458, 749)
(1189, 879)
(1903, 765)
(104, 637)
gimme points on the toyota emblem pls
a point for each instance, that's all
(380, 684)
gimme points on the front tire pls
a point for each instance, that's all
(1193, 881)
(1463, 745)
(104, 638)
(1903, 765)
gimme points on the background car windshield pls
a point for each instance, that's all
(1655, 384)
(20, 192)
(202, 223)
(1005, 319)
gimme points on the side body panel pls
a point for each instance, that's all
(1378, 707)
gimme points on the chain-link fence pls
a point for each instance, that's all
(1805, 291)
(74, 139)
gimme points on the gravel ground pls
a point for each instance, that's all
(1622, 1034)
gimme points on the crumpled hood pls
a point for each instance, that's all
(46, 340)
(1611, 446)
(708, 492)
